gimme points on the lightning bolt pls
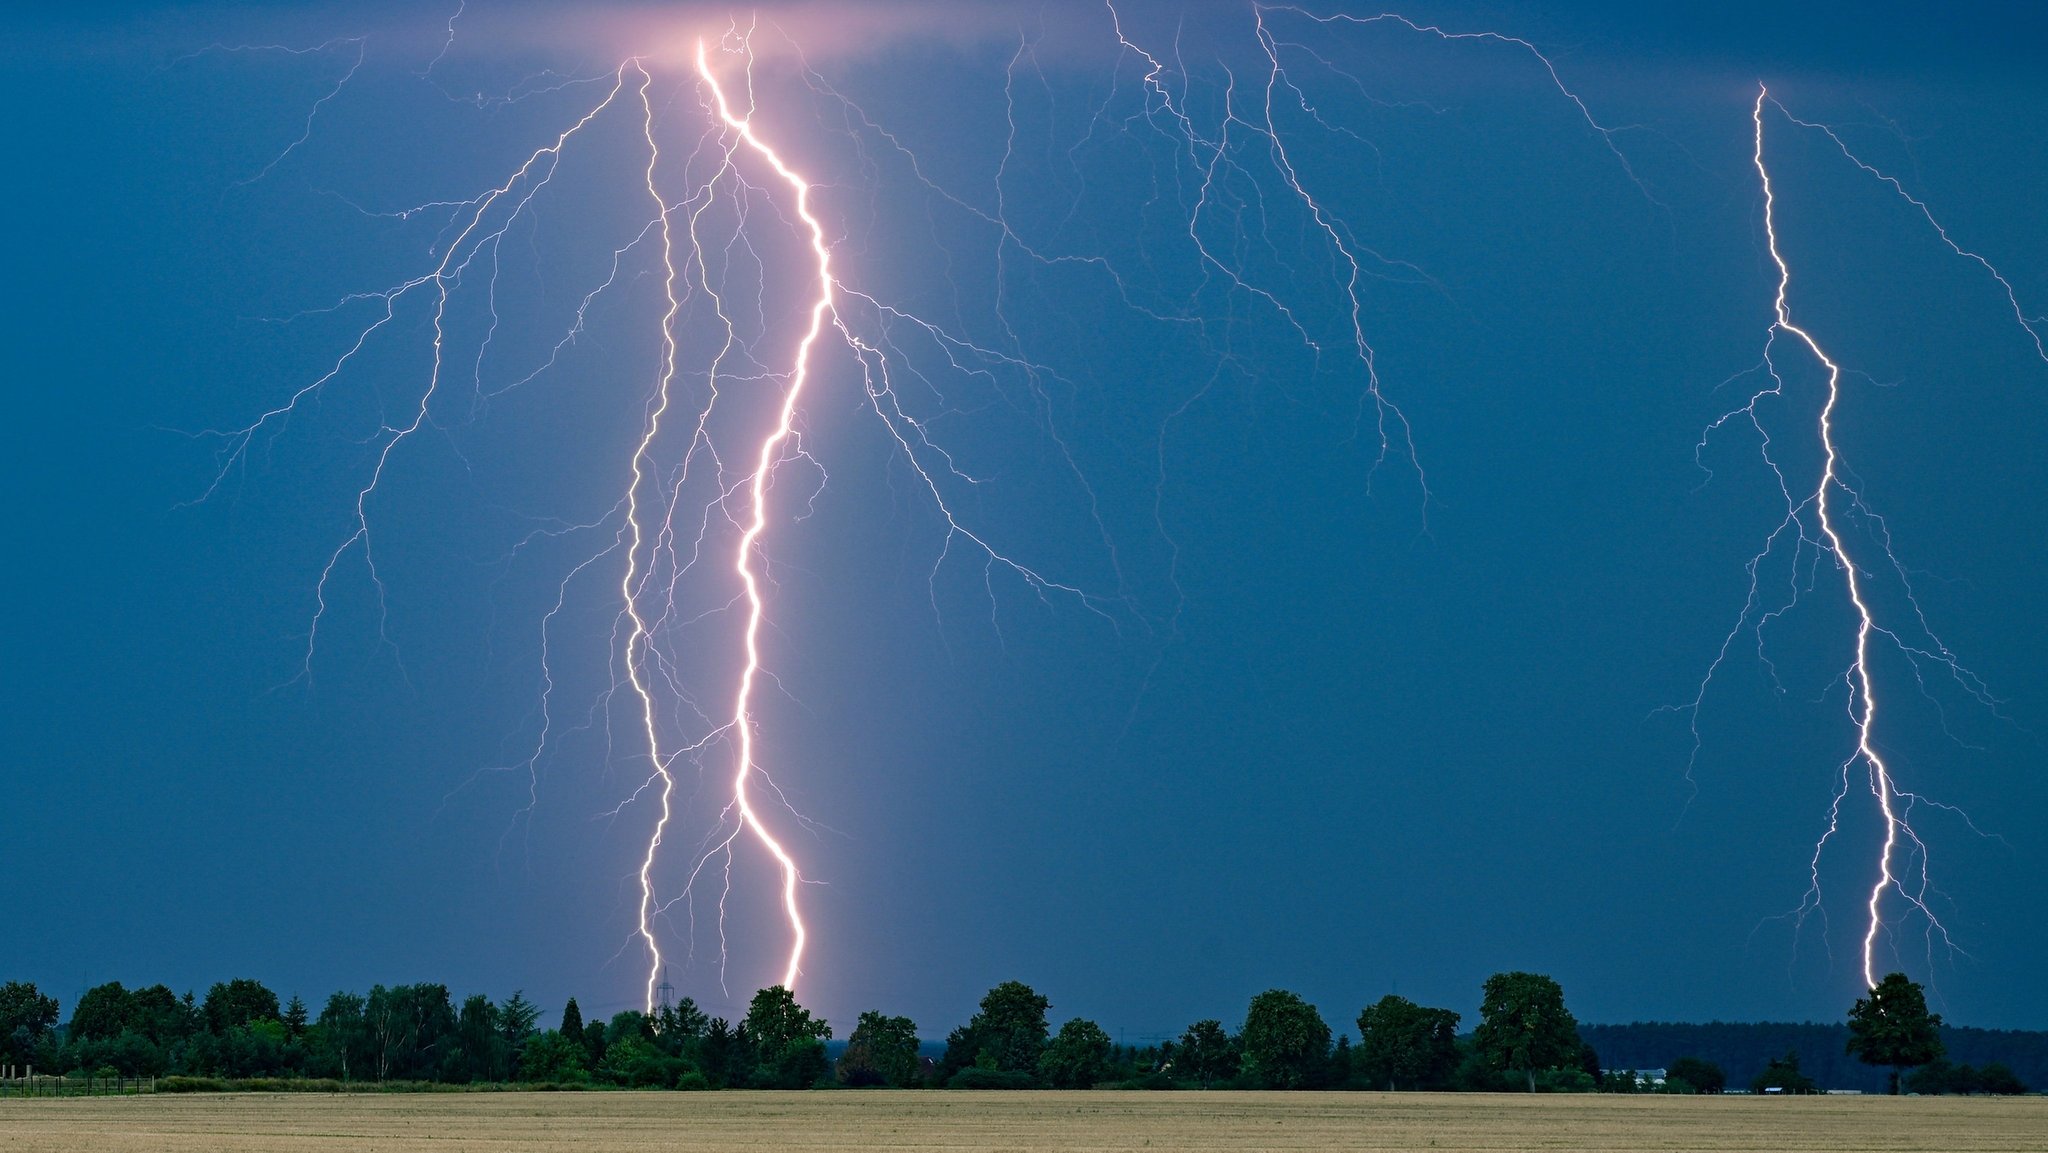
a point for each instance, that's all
(765, 460)
(1815, 525)
(638, 638)
(1862, 692)
(691, 510)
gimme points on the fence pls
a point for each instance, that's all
(26, 1082)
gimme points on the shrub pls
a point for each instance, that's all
(978, 1077)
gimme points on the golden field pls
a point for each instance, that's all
(935, 1122)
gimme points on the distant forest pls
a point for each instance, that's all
(1744, 1050)
(241, 1035)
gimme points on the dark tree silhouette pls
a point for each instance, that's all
(1401, 1042)
(1524, 1025)
(1285, 1043)
(880, 1051)
(1077, 1058)
(1703, 1076)
(237, 1003)
(1892, 1027)
(1205, 1053)
(1007, 1036)
(789, 1043)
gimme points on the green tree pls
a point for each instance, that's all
(294, 1019)
(572, 1021)
(679, 1024)
(412, 1030)
(626, 1023)
(1285, 1043)
(516, 1018)
(554, 1059)
(880, 1051)
(23, 1007)
(237, 1003)
(789, 1043)
(1892, 1027)
(725, 1054)
(340, 1038)
(1524, 1026)
(485, 1054)
(1783, 1075)
(1938, 1077)
(101, 1013)
(1077, 1058)
(1205, 1053)
(1008, 1034)
(1401, 1042)
(635, 1061)
(26, 1016)
(162, 1016)
(1998, 1080)
(252, 1050)
(1700, 1075)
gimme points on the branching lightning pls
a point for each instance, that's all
(737, 230)
(1816, 528)
(699, 239)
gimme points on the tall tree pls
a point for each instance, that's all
(1892, 1027)
(1007, 1035)
(341, 1037)
(25, 1016)
(1285, 1042)
(1205, 1053)
(162, 1016)
(294, 1019)
(572, 1021)
(725, 1054)
(880, 1051)
(412, 1028)
(23, 1006)
(789, 1043)
(1401, 1042)
(677, 1025)
(1524, 1026)
(485, 1055)
(101, 1013)
(516, 1017)
(1077, 1058)
(237, 1003)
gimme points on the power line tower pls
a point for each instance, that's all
(664, 994)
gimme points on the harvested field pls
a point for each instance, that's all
(943, 1121)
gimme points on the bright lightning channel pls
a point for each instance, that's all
(638, 638)
(1862, 692)
(764, 463)
(1814, 520)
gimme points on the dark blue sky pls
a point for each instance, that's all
(1331, 735)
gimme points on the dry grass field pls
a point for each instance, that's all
(935, 1122)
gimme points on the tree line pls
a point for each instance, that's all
(1746, 1048)
(1526, 1040)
